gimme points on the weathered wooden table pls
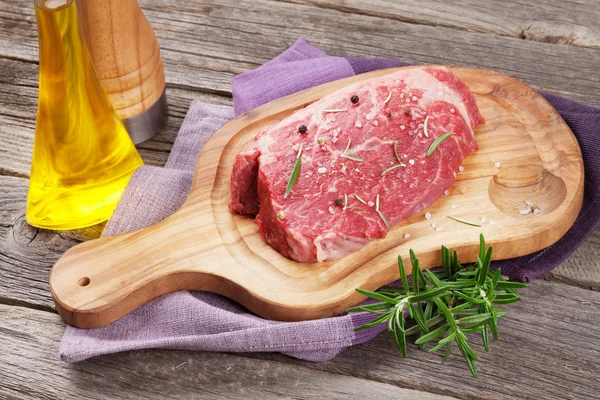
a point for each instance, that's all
(549, 346)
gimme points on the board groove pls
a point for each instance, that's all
(204, 247)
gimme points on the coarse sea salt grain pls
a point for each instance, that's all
(411, 162)
(427, 215)
(461, 169)
(446, 193)
(406, 236)
(375, 122)
(370, 203)
(453, 206)
(492, 222)
(497, 164)
(433, 225)
(358, 124)
(483, 219)
(331, 210)
(322, 170)
(536, 211)
(402, 127)
(439, 229)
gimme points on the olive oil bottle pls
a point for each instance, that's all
(82, 154)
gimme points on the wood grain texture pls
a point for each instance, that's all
(204, 247)
(125, 52)
(206, 43)
(550, 21)
(31, 369)
(542, 353)
(546, 351)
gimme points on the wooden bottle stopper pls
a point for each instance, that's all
(126, 55)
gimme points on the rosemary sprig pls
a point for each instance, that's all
(346, 155)
(295, 173)
(437, 142)
(445, 305)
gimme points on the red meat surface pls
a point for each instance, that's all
(322, 218)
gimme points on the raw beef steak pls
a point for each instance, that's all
(363, 164)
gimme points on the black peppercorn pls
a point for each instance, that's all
(389, 114)
(354, 99)
(339, 202)
(302, 129)
(407, 112)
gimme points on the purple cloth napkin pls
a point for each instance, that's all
(205, 321)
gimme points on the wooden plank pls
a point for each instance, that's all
(31, 369)
(583, 267)
(550, 21)
(546, 351)
(209, 43)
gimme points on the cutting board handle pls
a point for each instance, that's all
(97, 282)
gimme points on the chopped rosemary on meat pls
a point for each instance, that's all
(295, 173)
(346, 155)
(425, 126)
(396, 153)
(359, 199)
(354, 99)
(335, 110)
(393, 167)
(464, 221)
(388, 98)
(383, 218)
(321, 141)
(347, 207)
(437, 142)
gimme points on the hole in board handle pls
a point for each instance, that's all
(84, 281)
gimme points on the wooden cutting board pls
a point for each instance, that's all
(204, 247)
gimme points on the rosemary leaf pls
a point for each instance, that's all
(346, 155)
(359, 199)
(425, 127)
(387, 100)
(295, 173)
(464, 221)
(335, 110)
(437, 142)
(393, 167)
(396, 153)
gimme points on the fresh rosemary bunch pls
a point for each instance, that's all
(445, 305)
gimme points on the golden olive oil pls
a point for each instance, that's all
(82, 154)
